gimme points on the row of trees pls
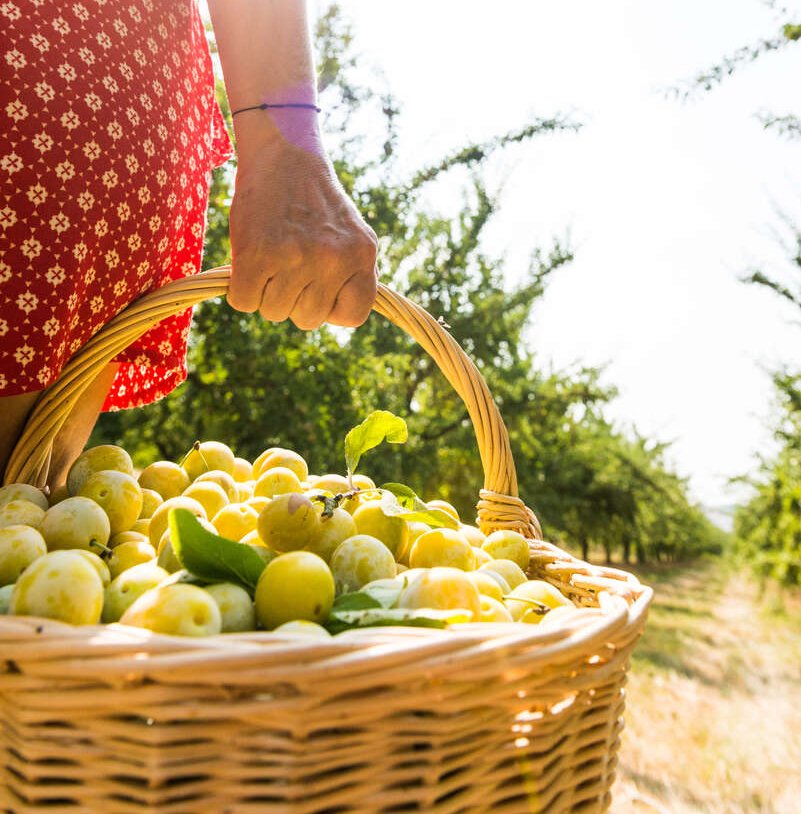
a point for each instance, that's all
(767, 528)
(255, 384)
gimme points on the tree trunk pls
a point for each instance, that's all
(585, 549)
(627, 549)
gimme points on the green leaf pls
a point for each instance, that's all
(406, 495)
(383, 617)
(398, 500)
(386, 592)
(358, 600)
(211, 557)
(377, 427)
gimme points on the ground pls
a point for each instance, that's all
(713, 724)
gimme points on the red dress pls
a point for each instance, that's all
(109, 133)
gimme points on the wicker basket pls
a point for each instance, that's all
(483, 718)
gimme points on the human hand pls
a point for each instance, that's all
(300, 249)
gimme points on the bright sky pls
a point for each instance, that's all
(667, 203)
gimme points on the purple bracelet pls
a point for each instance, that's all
(265, 106)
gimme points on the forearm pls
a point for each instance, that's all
(266, 56)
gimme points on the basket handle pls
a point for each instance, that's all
(499, 506)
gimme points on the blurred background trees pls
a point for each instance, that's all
(254, 384)
(767, 528)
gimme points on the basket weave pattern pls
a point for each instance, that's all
(477, 719)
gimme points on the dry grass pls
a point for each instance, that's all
(714, 700)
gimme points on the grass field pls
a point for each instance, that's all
(713, 724)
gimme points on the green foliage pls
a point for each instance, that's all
(788, 33)
(768, 528)
(253, 384)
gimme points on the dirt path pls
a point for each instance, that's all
(714, 701)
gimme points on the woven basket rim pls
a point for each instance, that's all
(613, 614)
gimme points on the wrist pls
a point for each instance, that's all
(261, 134)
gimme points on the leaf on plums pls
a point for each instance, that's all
(211, 557)
(398, 500)
(339, 621)
(358, 600)
(371, 597)
(379, 426)
(386, 594)
(405, 495)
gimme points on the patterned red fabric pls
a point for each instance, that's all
(109, 133)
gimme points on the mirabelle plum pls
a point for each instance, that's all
(510, 571)
(178, 610)
(285, 458)
(360, 499)
(258, 503)
(97, 459)
(508, 545)
(303, 628)
(359, 560)
(392, 531)
(487, 586)
(126, 555)
(19, 547)
(336, 484)
(416, 529)
(493, 610)
(151, 500)
(236, 607)
(525, 600)
(164, 477)
(472, 534)
(96, 563)
(442, 589)
(125, 589)
(442, 547)
(211, 496)
(235, 520)
(244, 491)
(333, 530)
(76, 522)
(243, 470)
(297, 585)
(21, 512)
(118, 494)
(362, 481)
(277, 480)
(223, 480)
(141, 526)
(126, 537)
(60, 585)
(208, 456)
(481, 556)
(23, 491)
(288, 523)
